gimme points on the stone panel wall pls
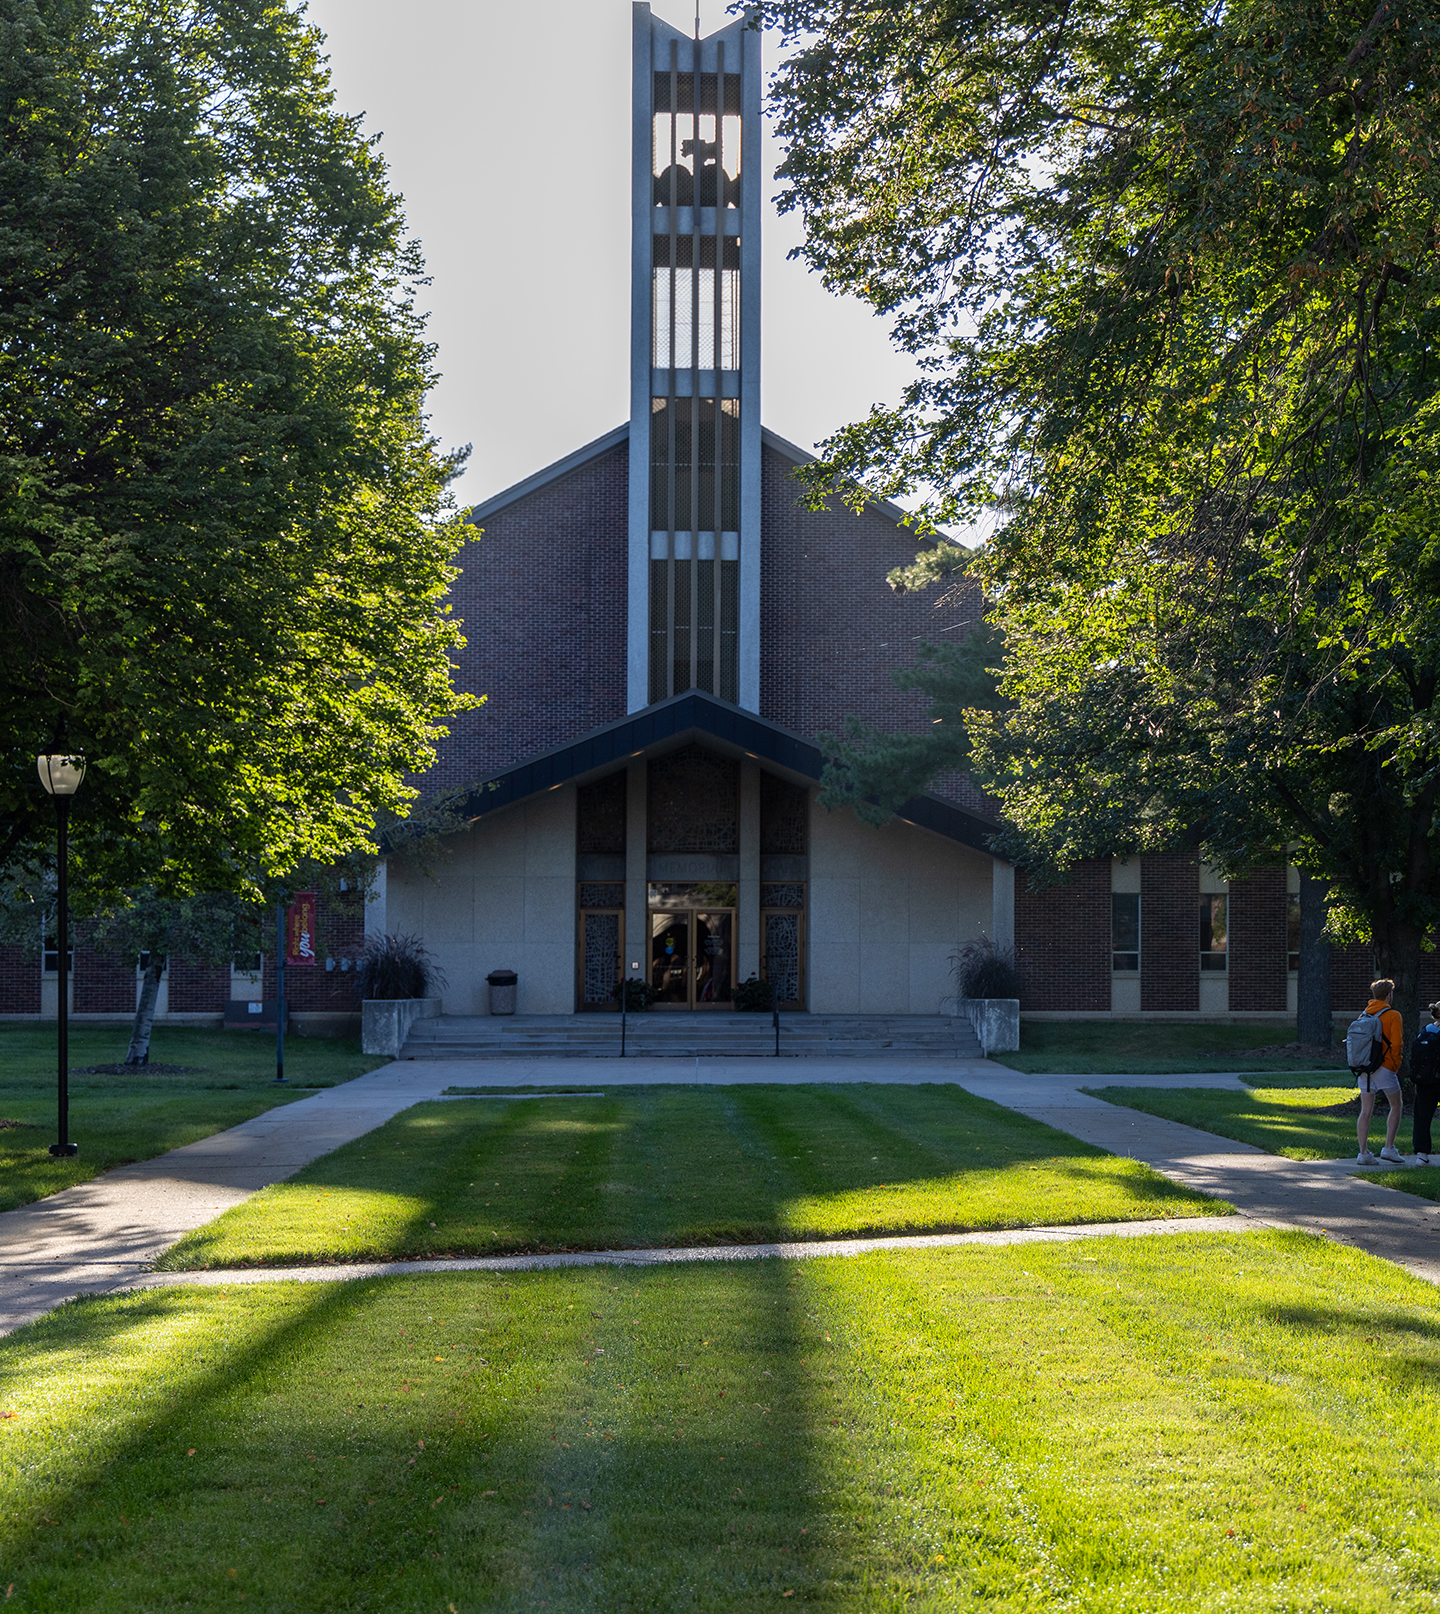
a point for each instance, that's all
(887, 910)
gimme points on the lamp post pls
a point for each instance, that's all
(280, 991)
(625, 1006)
(61, 776)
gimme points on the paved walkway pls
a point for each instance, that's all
(1321, 1195)
(103, 1235)
(700, 1071)
(340, 1273)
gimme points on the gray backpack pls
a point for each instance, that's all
(1365, 1044)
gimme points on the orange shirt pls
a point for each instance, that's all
(1392, 1028)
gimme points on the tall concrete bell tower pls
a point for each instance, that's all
(694, 516)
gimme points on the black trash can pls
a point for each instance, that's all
(502, 991)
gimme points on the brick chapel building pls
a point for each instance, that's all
(664, 632)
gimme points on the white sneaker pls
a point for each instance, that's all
(1422, 1159)
(1393, 1155)
(1365, 1158)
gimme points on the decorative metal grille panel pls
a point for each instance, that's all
(782, 955)
(602, 955)
(606, 895)
(600, 811)
(782, 896)
(784, 815)
(694, 803)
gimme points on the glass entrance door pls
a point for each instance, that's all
(714, 958)
(692, 946)
(670, 953)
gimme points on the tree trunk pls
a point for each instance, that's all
(1314, 1022)
(139, 1051)
(1398, 955)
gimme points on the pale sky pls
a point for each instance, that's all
(507, 130)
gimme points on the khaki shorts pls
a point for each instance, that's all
(1379, 1081)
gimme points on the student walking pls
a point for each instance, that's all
(1425, 1073)
(1378, 1071)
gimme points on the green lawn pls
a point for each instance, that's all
(1195, 1422)
(1117, 1048)
(1287, 1120)
(1422, 1181)
(116, 1119)
(682, 1165)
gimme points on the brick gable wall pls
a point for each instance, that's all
(1062, 940)
(541, 597)
(1258, 962)
(832, 630)
(1169, 933)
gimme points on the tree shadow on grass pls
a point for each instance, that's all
(669, 1165)
(312, 1460)
(613, 1440)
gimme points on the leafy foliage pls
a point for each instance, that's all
(1171, 273)
(754, 994)
(224, 532)
(876, 772)
(637, 994)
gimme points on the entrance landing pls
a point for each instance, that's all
(700, 1034)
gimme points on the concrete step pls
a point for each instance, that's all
(691, 1036)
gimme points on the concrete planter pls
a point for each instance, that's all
(385, 1022)
(995, 1021)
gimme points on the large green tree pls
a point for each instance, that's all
(1171, 273)
(225, 532)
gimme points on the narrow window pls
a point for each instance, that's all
(1214, 932)
(50, 964)
(1292, 932)
(1125, 930)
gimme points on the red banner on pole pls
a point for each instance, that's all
(300, 930)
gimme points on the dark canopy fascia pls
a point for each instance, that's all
(695, 715)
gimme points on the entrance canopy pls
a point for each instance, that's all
(697, 716)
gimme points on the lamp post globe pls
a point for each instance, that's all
(61, 774)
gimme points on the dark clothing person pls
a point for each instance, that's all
(1425, 1073)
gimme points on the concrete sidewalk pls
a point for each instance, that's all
(689, 1254)
(701, 1071)
(1321, 1195)
(100, 1234)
